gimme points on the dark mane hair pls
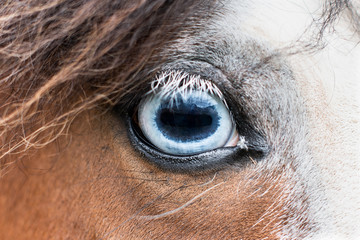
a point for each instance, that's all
(59, 58)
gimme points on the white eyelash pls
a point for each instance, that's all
(171, 84)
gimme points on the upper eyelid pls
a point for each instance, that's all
(194, 67)
(202, 68)
(173, 83)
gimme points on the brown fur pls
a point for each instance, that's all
(99, 191)
(60, 58)
(68, 170)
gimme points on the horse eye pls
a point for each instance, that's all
(186, 124)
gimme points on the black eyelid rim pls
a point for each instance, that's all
(213, 160)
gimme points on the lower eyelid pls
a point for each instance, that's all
(240, 155)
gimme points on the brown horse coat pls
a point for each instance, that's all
(72, 75)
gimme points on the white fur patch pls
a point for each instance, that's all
(329, 82)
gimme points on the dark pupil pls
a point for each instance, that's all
(184, 120)
(187, 121)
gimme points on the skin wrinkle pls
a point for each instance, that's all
(66, 63)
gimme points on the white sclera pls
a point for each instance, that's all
(149, 107)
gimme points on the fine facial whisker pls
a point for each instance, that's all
(188, 203)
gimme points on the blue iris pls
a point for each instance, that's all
(186, 124)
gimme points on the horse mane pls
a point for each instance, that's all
(59, 58)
